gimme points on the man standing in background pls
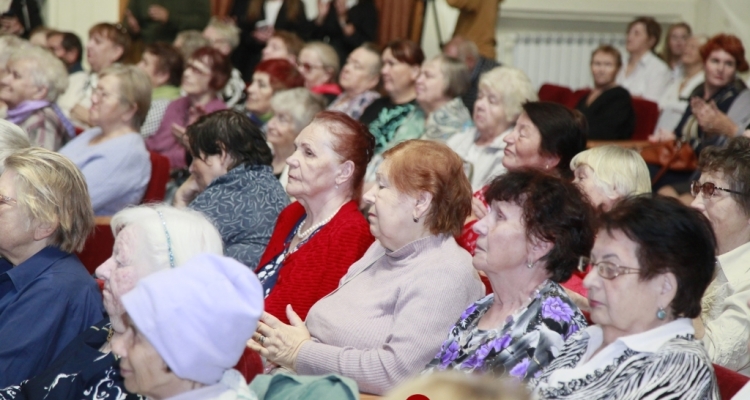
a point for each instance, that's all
(476, 23)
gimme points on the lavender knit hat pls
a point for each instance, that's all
(199, 316)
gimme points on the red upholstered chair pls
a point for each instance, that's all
(646, 117)
(730, 382)
(250, 364)
(157, 185)
(576, 96)
(98, 247)
(555, 93)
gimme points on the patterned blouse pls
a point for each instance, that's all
(529, 340)
(663, 363)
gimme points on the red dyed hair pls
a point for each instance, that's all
(406, 51)
(353, 141)
(282, 73)
(221, 69)
(429, 166)
(729, 43)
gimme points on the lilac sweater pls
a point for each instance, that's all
(390, 313)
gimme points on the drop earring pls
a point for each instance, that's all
(661, 314)
(529, 265)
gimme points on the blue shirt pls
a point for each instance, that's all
(45, 302)
(243, 204)
(117, 171)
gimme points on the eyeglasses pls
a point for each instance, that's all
(605, 269)
(307, 67)
(7, 200)
(707, 188)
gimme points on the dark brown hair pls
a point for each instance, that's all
(221, 69)
(554, 210)
(168, 59)
(653, 29)
(671, 237)
(406, 51)
(733, 161)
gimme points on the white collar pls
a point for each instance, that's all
(651, 340)
(497, 142)
(736, 263)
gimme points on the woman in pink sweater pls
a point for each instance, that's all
(390, 312)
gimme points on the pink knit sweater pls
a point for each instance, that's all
(390, 313)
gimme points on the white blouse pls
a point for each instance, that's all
(649, 79)
(674, 101)
(726, 315)
(483, 162)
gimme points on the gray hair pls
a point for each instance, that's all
(619, 172)
(135, 89)
(327, 55)
(457, 76)
(8, 45)
(12, 139)
(229, 31)
(192, 40)
(299, 103)
(182, 231)
(48, 71)
(512, 86)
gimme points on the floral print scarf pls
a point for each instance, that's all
(530, 339)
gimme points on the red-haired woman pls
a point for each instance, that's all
(269, 77)
(387, 317)
(320, 235)
(719, 109)
(206, 73)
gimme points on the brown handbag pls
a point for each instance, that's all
(674, 155)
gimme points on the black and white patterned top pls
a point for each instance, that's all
(527, 342)
(663, 363)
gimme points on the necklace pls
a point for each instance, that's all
(315, 227)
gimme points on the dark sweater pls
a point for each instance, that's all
(610, 116)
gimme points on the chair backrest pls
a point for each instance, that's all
(730, 382)
(157, 185)
(646, 117)
(98, 247)
(576, 96)
(555, 93)
(250, 364)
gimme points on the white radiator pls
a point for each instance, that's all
(561, 58)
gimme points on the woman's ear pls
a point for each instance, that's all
(44, 230)
(346, 171)
(41, 93)
(225, 158)
(550, 161)
(424, 200)
(667, 287)
(538, 248)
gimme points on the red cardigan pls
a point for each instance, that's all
(316, 268)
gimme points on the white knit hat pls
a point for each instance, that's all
(199, 316)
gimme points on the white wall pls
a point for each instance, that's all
(79, 15)
(706, 16)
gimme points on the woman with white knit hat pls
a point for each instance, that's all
(187, 327)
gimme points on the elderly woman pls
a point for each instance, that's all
(283, 45)
(147, 239)
(46, 296)
(721, 195)
(319, 65)
(107, 45)
(441, 113)
(608, 108)
(270, 76)
(530, 241)
(645, 74)
(386, 319)
(358, 79)
(674, 101)
(293, 110)
(33, 81)
(402, 60)
(198, 365)
(502, 92)
(654, 258)
(318, 237)
(112, 156)
(163, 64)
(232, 183)
(206, 73)
(609, 173)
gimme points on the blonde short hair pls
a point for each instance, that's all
(12, 139)
(52, 190)
(299, 103)
(618, 171)
(449, 385)
(513, 86)
(135, 89)
(229, 31)
(190, 233)
(327, 55)
(47, 70)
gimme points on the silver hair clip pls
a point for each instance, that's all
(169, 239)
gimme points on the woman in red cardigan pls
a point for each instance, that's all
(318, 237)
